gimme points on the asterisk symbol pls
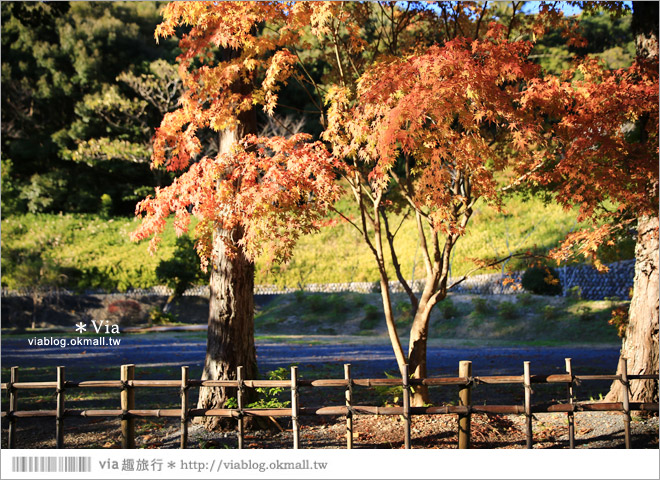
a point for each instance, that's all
(81, 327)
(171, 465)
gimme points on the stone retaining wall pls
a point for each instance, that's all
(593, 285)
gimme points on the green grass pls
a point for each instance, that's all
(85, 251)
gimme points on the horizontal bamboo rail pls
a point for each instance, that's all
(366, 382)
(342, 410)
(128, 413)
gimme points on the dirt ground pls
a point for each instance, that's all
(592, 430)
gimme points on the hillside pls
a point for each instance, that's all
(87, 251)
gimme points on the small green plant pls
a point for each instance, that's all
(390, 395)
(158, 317)
(371, 317)
(574, 293)
(481, 306)
(270, 397)
(448, 309)
(299, 295)
(584, 313)
(541, 280)
(404, 313)
(507, 310)
(106, 205)
(549, 312)
(525, 299)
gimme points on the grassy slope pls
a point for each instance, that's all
(505, 319)
(336, 254)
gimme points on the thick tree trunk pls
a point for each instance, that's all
(640, 344)
(230, 336)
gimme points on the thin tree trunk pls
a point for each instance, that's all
(640, 344)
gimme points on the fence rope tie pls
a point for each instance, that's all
(124, 384)
(350, 411)
(575, 380)
(59, 390)
(124, 415)
(472, 382)
(240, 386)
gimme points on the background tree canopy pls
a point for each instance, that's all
(84, 85)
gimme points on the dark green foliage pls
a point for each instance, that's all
(158, 317)
(542, 280)
(371, 318)
(58, 60)
(549, 312)
(507, 310)
(481, 306)
(448, 309)
(182, 270)
(525, 299)
(403, 311)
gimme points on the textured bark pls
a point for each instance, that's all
(230, 336)
(640, 345)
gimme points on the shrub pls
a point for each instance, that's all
(371, 318)
(549, 312)
(574, 293)
(404, 313)
(106, 206)
(127, 311)
(541, 281)
(481, 306)
(182, 270)
(158, 317)
(507, 310)
(585, 313)
(448, 309)
(525, 299)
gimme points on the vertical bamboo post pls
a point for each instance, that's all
(59, 419)
(127, 403)
(13, 406)
(528, 403)
(349, 406)
(239, 399)
(184, 407)
(464, 400)
(626, 400)
(571, 415)
(406, 407)
(294, 407)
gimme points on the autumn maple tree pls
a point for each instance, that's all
(426, 111)
(256, 194)
(605, 162)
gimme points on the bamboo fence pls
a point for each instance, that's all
(465, 381)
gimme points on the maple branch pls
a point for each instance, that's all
(483, 11)
(422, 243)
(513, 17)
(332, 207)
(395, 262)
(335, 32)
(318, 89)
(523, 177)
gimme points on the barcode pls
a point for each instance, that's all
(51, 464)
